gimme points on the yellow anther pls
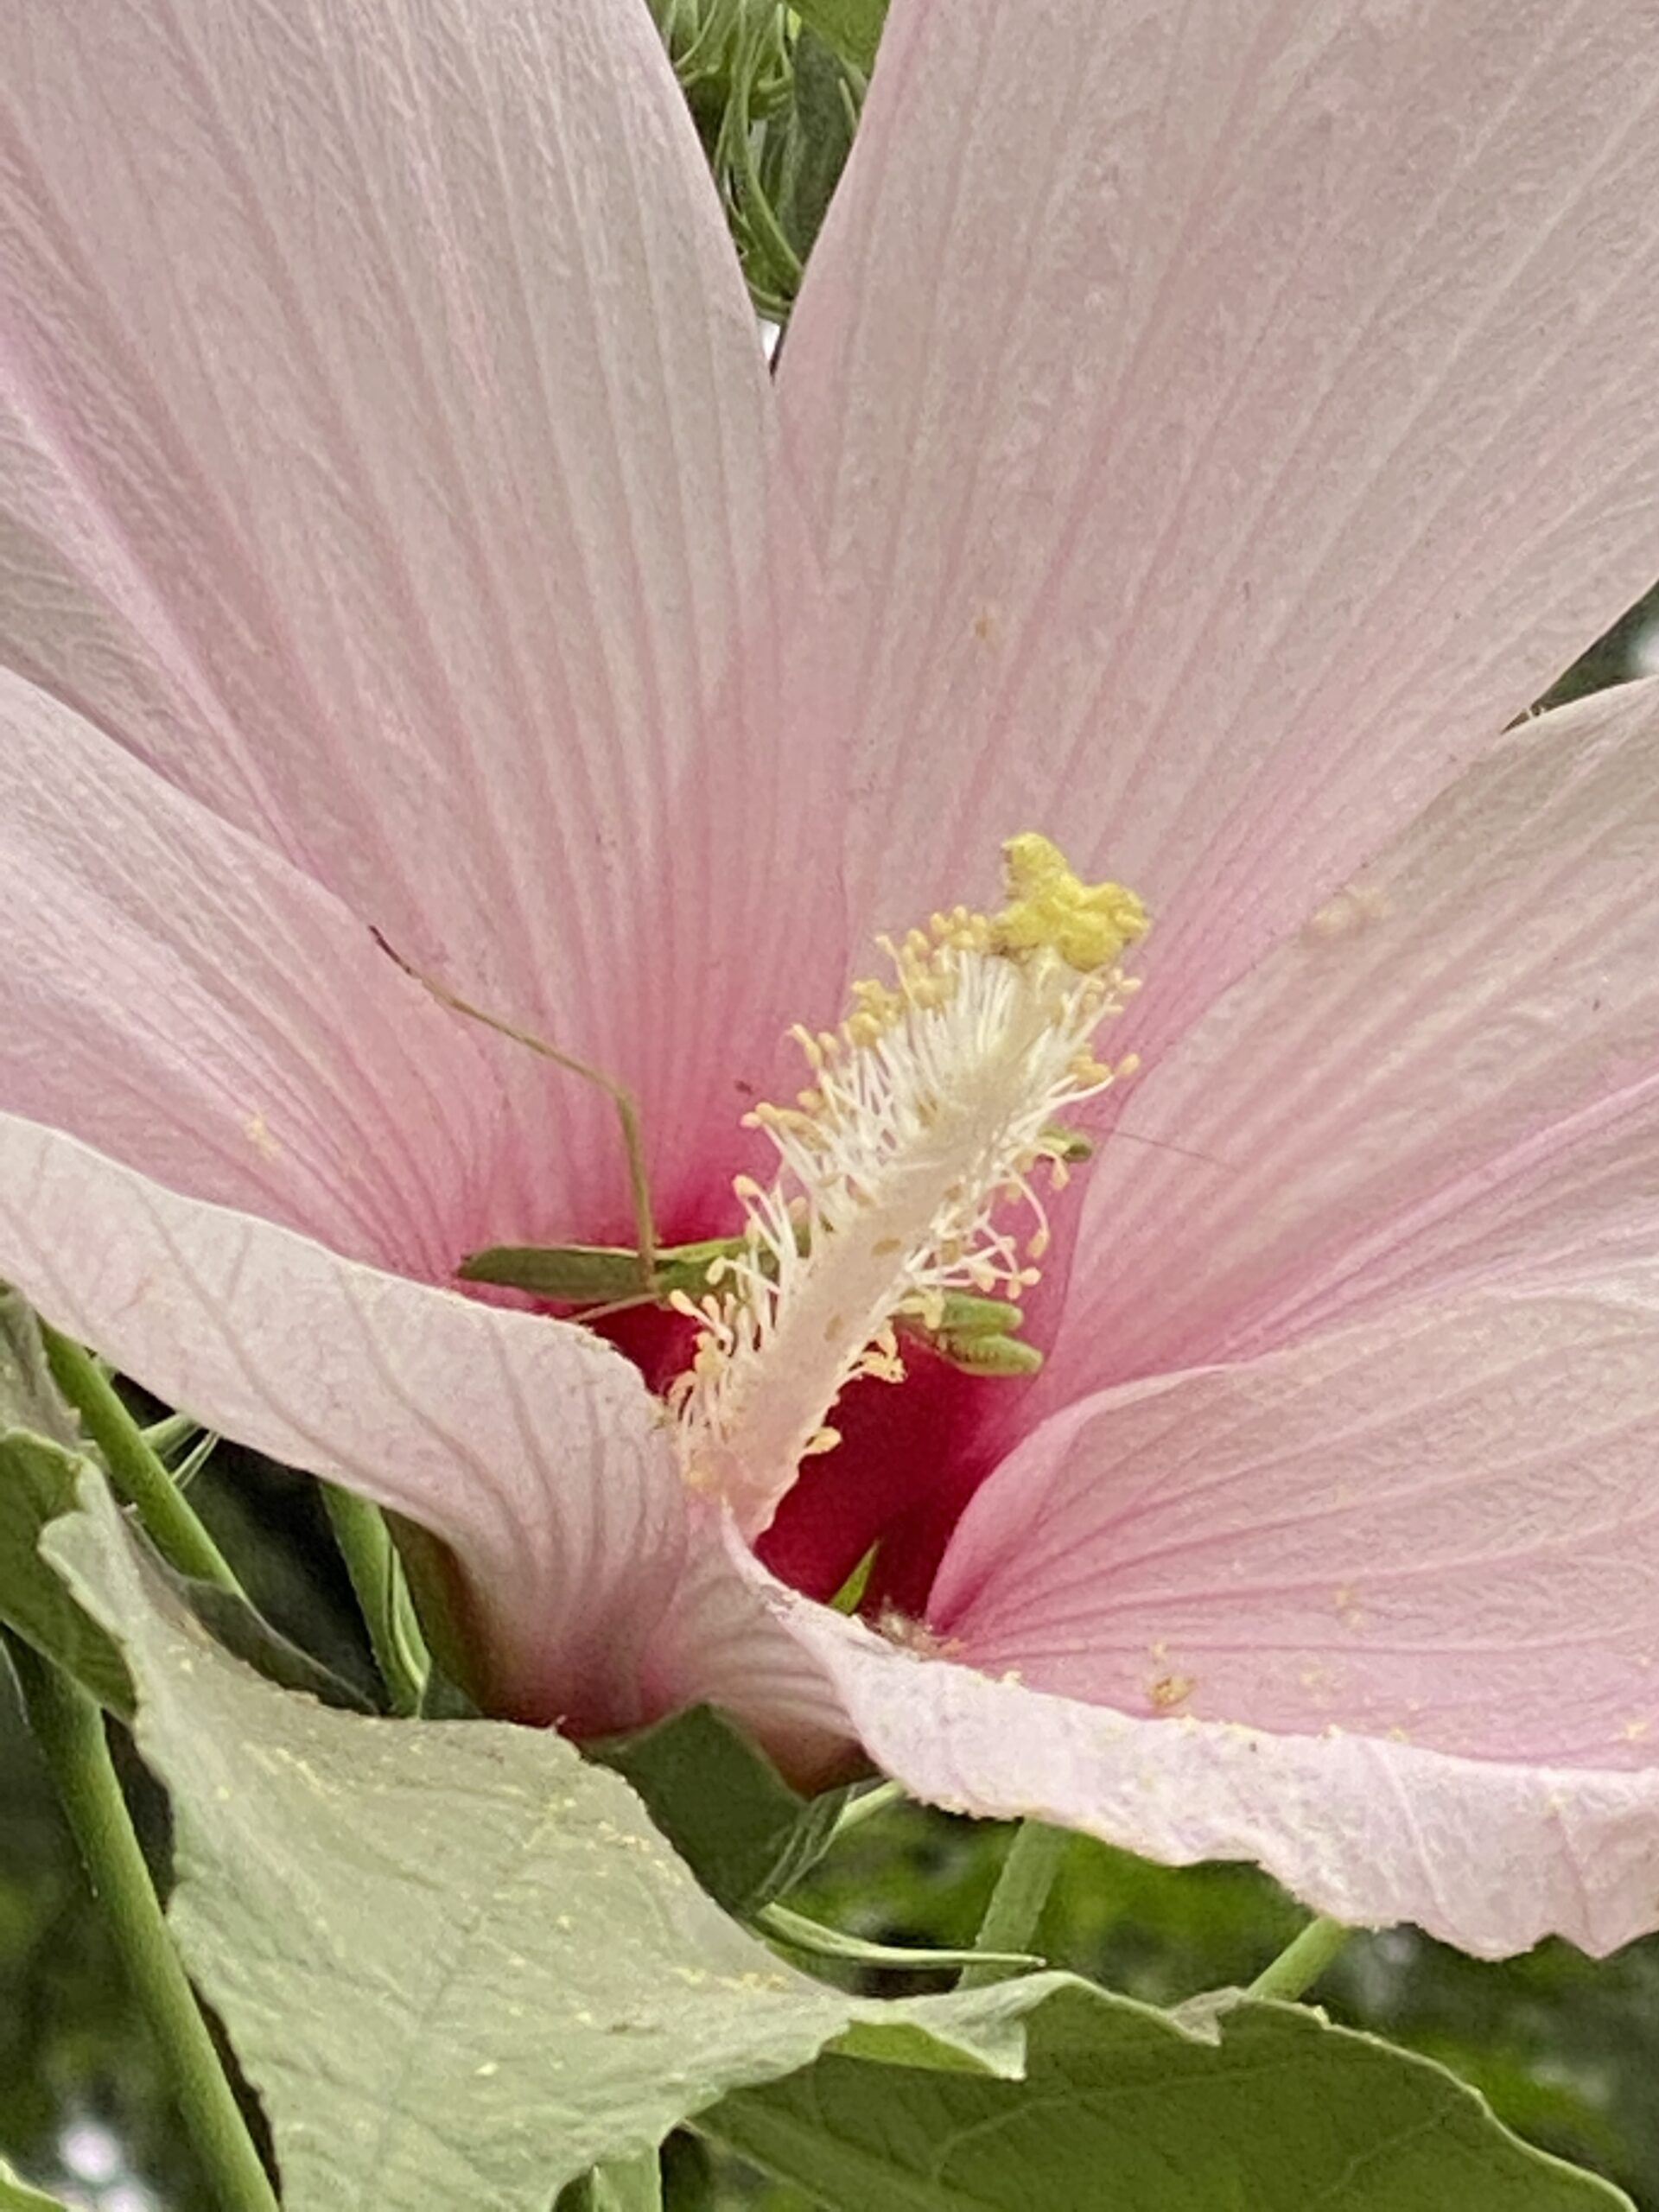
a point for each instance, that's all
(1052, 907)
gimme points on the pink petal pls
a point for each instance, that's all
(723, 1641)
(1216, 425)
(532, 1448)
(183, 998)
(1377, 1613)
(1441, 1527)
(1451, 1077)
(387, 370)
(1487, 1856)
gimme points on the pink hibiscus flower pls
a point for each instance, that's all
(1201, 433)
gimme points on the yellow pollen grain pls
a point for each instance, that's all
(257, 1132)
(1050, 908)
(1169, 1691)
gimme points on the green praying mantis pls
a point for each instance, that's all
(978, 1335)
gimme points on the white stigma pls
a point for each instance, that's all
(929, 1119)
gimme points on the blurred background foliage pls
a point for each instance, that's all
(1566, 2050)
(775, 93)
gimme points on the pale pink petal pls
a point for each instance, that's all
(1451, 1077)
(1488, 1856)
(110, 654)
(1380, 1613)
(389, 371)
(1441, 1526)
(534, 1450)
(1217, 423)
(722, 1641)
(183, 998)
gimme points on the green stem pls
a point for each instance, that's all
(874, 1800)
(783, 263)
(377, 1576)
(1301, 1962)
(69, 1729)
(1017, 1901)
(136, 1470)
(821, 1941)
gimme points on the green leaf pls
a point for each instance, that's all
(457, 1962)
(745, 1834)
(852, 28)
(29, 1398)
(37, 1484)
(250, 1636)
(1238, 2108)
(817, 144)
(17, 2196)
(630, 2185)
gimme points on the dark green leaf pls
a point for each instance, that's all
(234, 1624)
(37, 1483)
(1246, 2107)
(819, 140)
(852, 28)
(744, 1833)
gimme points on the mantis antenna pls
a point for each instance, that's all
(621, 1097)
